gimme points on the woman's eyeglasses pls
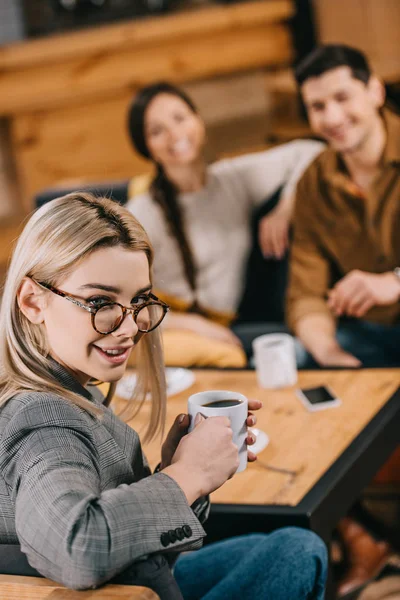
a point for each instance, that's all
(107, 317)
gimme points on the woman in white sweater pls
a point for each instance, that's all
(198, 219)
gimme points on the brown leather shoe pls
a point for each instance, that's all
(365, 555)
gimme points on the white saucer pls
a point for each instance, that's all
(178, 380)
(262, 441)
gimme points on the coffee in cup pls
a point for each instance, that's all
(223, 403)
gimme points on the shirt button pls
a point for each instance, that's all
(165, 539)
(172, 536)
(187, 531)
(179, 533)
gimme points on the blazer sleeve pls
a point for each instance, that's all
(201, 507)
(71, 530)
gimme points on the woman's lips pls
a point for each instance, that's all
(114, 359)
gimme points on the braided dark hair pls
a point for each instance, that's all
(163, 191)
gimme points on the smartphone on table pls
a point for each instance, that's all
(318, 398)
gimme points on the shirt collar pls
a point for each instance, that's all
(69, 381)
(334, 169)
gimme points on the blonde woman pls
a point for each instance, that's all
(76, 494)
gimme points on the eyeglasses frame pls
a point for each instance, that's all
(125, 309)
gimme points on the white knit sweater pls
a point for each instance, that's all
(217, 222)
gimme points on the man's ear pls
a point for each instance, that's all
(377, 91)
(31, 301)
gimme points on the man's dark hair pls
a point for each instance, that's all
(332, 56)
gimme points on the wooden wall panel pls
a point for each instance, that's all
(80, 143)
(144, 32)
(66, 97)
(370, 25)
(9, 198)
(84, 79)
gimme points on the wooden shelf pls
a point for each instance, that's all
(69, 68)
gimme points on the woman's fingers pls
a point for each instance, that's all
(198, 419)
(255, 404)
(251, 420)
(251, 457)
(251, 438)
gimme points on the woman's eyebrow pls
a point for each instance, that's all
(143, 290)
(100, 286)
(112, 289)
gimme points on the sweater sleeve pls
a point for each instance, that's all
(71, 530)
(263, 173)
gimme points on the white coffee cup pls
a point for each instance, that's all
(237, 415)
(275, 360)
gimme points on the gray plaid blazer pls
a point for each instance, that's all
(77, 494)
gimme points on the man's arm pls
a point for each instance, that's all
(308, 313)
(318, 335)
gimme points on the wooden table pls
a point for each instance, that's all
(316, 464)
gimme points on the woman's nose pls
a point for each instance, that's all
(128, 327)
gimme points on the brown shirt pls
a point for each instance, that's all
(338, 229)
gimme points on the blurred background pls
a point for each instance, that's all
(69, 68)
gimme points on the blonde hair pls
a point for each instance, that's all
(58, 236)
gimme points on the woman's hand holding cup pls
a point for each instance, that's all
(205, 458)
(178, 447)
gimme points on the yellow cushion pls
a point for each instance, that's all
(139, 184)
(183, 348)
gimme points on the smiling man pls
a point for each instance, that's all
(344, 291)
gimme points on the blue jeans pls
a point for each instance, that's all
(288, 564)
(373, 344)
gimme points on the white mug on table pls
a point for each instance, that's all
(275, 360)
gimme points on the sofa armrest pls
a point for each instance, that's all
(116, 190)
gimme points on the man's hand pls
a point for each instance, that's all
(318, 334)
(273, 235)
(359, 291)
(337, 357)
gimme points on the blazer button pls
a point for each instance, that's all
(165, 539)
(172, 536)
(187, 531)
(179, 533)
